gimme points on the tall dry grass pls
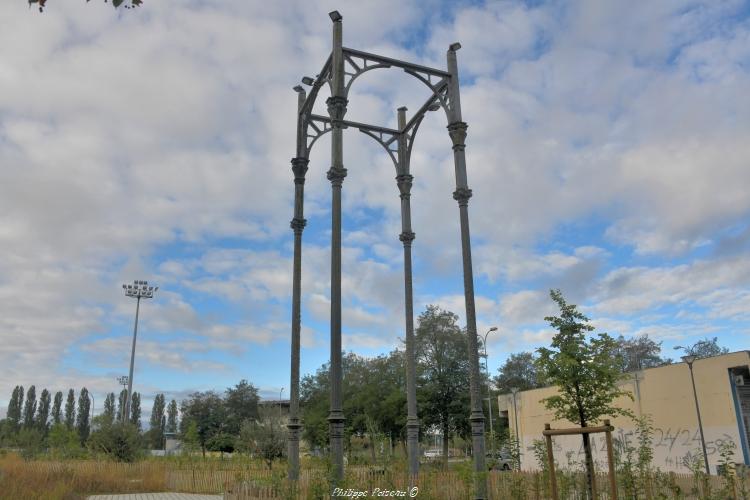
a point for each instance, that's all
(73, 480)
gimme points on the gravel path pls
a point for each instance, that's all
(157, 496)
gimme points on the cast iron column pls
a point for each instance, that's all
(457, 130)
(299, 167)
(336, 110)
(404, 181)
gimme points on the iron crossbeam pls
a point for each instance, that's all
(395, 62)
(361, 126)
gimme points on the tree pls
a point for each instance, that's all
(121, 441)
(518, 371)
(42, 414)
(172, 417)
(121, 403)
(241, 403)
(265, 437)
(29, 408)
(638, 353)
(57, 408)
(135, 410)
(207, 411)
(109, 409)
(116, 3)
(586, 372)
(83, 426)
(705, 348)
(156, 425)
(442, 356)
(70, 409)
(15, 406)
(63, 442)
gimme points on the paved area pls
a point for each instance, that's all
(156, 496)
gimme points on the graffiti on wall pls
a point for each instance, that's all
(670, 446)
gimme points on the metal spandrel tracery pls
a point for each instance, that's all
(341, 69)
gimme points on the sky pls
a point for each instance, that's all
(607, 152)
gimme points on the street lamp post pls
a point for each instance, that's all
(138, 290)
(489, 389)
(282, 390)
(690, 359)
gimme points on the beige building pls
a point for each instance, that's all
(666, 394)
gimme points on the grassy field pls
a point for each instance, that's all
(243, 478)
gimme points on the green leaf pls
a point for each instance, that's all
(117, 3)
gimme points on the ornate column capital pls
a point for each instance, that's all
(404, 184)
(336, 109)
(336, 175)
(457, 131)
(462, 195)
(298, 224)
(299, 167)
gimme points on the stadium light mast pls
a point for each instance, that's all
(140, 289)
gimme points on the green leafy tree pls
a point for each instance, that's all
(156, 423)
(70, 409)
(265, 437)
(442, 356)
(519, 371)
(120, 441)
(57, 408)
(31, 442)
(704, 348)
(586, 372)
(241, 402)
(83, 425)
(116, 3)
(172, 417)
(207, 411)
(42, 414)
(29, 408)
(109, 409)
(63, 442)
(135, 410)
(639, 352)
(15, 407)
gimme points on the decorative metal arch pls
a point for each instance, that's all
(340, 71)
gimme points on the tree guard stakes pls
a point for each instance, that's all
(340, 70)
(606, 429)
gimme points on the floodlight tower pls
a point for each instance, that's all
(138, 290)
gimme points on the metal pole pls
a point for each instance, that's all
(489, 390)
(336, 174)
(282, 390)
(404, 181)
(132, 360)
(457, 131)
(700, 423)
(299, 168)
(514, 390)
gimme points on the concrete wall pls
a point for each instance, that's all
(664, 393)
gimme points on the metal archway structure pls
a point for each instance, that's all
(342, 68)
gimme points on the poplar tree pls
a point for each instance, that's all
(29, 408)
(15, 407)
(83, 425)
(42, 414)
(172, 417)
(135, 410)
(156, 425)
(70, 410)
(109, 409)
(57, 408)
